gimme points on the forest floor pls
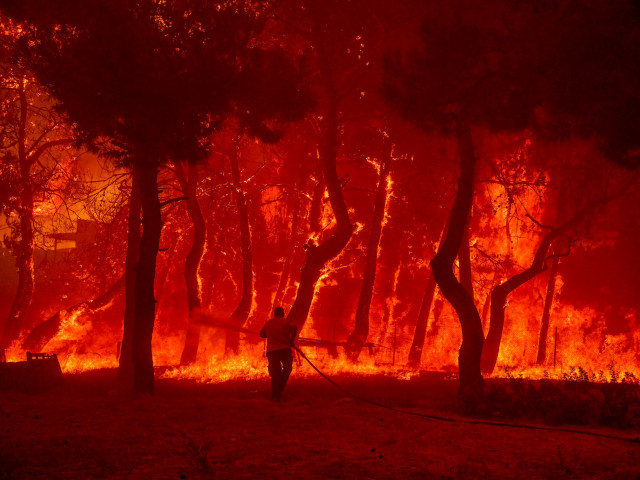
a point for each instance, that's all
(86, 429)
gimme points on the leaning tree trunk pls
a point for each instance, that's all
(296, 219)
(125, 363)
(317, 256)
(417, 344)
(24, 255)
(442, 265)
(487, 303)
(546, 312)
(360, 332)
(314, 226)
(143, 381)
(192, 263)
(501, 292)
(242, 311)
(41, 335)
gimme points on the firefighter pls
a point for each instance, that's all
(280, 336)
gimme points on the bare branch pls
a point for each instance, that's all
(172, 200)
(541, 225)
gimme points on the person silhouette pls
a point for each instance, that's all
(280, 335)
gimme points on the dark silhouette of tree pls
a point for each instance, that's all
(155, 77)
(510, 67)
(417, 343)
(189, 184)
(125, 362)
(319, 16)
(541, 356)
(360, 331)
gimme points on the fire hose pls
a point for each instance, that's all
(463, 420)
(350, 394)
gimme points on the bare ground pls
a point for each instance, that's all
(86, 429)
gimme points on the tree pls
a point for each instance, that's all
(360, 331)
(243, 309)
(189, 185)
(155, 77)
(34, 143)
(507, 68)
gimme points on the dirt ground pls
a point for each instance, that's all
(86, 429)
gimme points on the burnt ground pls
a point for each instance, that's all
(86, 429)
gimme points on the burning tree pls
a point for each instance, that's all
(158, 86)
(491, 67)
(35, 141)
(501, 108)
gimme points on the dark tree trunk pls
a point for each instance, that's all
(242, 311)
(360, 332)
(317, 256)
(315, 227)
(45, 331)
(125, 364)
(24, 255)
(442, 265)
(546, 312)
(464, 260)
(192, 264)
(417, 344)
(502, 291)
(389, 303)
(143, 381)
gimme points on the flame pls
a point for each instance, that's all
(500, 233)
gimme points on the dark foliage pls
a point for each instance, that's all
(574, 401)
(566, 70)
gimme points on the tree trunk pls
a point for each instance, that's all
(546, 312)
(317, 256)
(143, 381)
(464, 261)
(315, 227)
(242, 311)
(501, 292)
(417, 344)
(442, 265)
(45, 331)
(125, 364)
(192, 264)
(360, 332)
(24, 255)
